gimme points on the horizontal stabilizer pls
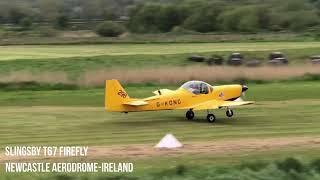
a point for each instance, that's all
(136, 103)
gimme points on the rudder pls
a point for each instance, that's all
(115, 95)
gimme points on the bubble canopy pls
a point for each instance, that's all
(197, 87)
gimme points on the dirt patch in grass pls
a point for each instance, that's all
(244, 145)
(219, 147)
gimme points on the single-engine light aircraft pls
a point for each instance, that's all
(192, 96)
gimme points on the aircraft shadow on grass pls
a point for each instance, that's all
(149, 121)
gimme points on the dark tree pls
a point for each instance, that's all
(62, 22)
(110, 29)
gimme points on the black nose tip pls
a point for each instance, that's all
(244, 88)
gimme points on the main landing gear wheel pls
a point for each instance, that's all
(190, 115)
(211, 118)
(229, 113)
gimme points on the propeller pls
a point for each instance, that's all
(244, 86)
(243, 94)
(244, 89)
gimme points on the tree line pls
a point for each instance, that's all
(228, 15)
(53, 11)
(146, 16)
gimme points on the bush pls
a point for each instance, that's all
(62, 22)
(46, 31)
(25, 23)
(254, 165)
(290, 164)
(315, 165)
(110, 29)
(181, 170)
(16, 14)
(181, 30)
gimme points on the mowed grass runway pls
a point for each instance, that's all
(286, 111)
(60, 51)
(77, 117)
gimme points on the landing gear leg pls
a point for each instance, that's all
(210, 117)
(229, 112)
(190, 114)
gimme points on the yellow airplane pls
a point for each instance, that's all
(192, 95)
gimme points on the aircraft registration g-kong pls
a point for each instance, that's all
(192, 96)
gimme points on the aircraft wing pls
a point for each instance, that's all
(235, 103)
(136, 103)
(215, 104)
(212, 104)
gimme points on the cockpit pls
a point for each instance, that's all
(197, 87)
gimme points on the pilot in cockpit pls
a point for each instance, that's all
(196, 87)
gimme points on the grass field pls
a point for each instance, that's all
(59, 51)
(73, 63)
(287, 111)
(78, 117)
(91, 126)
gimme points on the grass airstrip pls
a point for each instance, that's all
(77, 117)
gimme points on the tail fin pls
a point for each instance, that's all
(115, 95)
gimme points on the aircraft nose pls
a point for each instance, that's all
(244, 88)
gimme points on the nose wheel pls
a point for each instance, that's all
(190, 115)
(229, 113)
(211, 118)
